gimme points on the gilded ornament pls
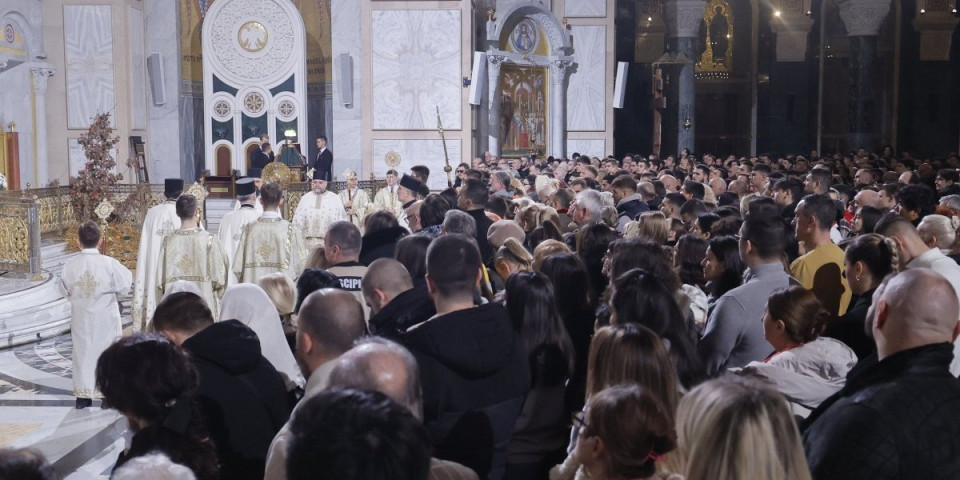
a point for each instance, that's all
(87, 284)
(252, 36)
(104, 210)
(392, 158)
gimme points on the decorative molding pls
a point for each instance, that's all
(684, 16)
(863, 17)
(268, 61)
(40, 74)
(936, 34)
(791, 30)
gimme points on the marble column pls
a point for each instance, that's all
(683, 21)
(863, 19)
(559, 73)
(493, 102)
(41, 72)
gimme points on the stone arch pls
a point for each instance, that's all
(33, 41)
(560, 43)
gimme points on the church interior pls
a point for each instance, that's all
(192, 89)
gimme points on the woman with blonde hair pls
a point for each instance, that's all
(535, 214)
(545, 249)
(283, 293)
(939, 231)
(316, 259)
(651, 225)
(511, 258)
(738, 429)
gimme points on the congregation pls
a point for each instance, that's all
(686, 317)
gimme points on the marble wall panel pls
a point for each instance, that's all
(76, 159)
(16, 107)
(588, 147)
(417, 152)
(585, 8)
(138, 71)
(586, 92)
(415, 58)
(88, 38)
(346, 124)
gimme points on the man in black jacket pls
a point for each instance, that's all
(324, 162)
(629, 203)
(898, 418)
(395, 304)
(473, 368)
(472, 199)
(260, 158)
(243, 398)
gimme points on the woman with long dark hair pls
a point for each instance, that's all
(540, 434)
(151, 381)
(642, 298)
(571, 286)
(722, 267)
(592, 244)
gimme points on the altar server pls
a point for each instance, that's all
(386, 198)
(159, 221)
(354, 199)
(317, 210)
(231, 226)
(270, 244)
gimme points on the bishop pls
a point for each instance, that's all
(270, 244)
(355, 200)
(159, 221)
(317, 210)
(192, 254)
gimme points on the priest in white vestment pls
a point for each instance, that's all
(387, 198)
(231, 226)
(93, 282)
(354, 199)
(316, 211)
(270, 244)
(159, 221)
(192, 254)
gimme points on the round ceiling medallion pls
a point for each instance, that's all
(252, 36)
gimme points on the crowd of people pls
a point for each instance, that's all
(688, 317)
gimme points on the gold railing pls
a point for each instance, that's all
(28, 215)
(19, 235)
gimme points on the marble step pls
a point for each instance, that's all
(216, 209)
(32, 310)
(54, 256)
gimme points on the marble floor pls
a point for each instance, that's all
(37, 410)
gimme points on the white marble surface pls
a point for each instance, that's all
(415, 57)
(138, 70)
(15, 99)
(589, 147)
(88, 38)
(585, 8)
(586, 91)
(417, 152)
(163, 140)
(75, 157)
(346, 125)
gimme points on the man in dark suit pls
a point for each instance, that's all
(259, 158)
(324, 162)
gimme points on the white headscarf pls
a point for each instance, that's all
(182, 286)
(249, 304)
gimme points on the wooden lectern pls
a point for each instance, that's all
(10, 159)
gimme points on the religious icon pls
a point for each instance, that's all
(524, 37)
(716, 37)
(523, 113)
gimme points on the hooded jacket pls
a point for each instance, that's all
(380, 244)
(243, 398)
(404, 311)
(471, 365)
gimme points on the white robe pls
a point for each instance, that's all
(360, 200)
(250, 305)
(231, 228)
(269, 245)
(160, 220)
(314, 215)
(93, 282)
(196, 256)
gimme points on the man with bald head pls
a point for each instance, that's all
(868, 198)
(395, 305)
(380, 365)
(670, 182)
(331, 320)
(899, 418)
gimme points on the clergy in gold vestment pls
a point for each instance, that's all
(316, 211)
(270, 244)
(355, 200)
(387, 198)
(193, 254)
(232, 224)
(159, 221)
(93, 282)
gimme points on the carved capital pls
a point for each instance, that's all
(863, 17)
(684, 17)
(559, 69)
(41, 72)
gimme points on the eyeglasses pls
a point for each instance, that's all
(460, 171)
(579, 420)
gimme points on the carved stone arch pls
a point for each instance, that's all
(34, 42)
(560, 43)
